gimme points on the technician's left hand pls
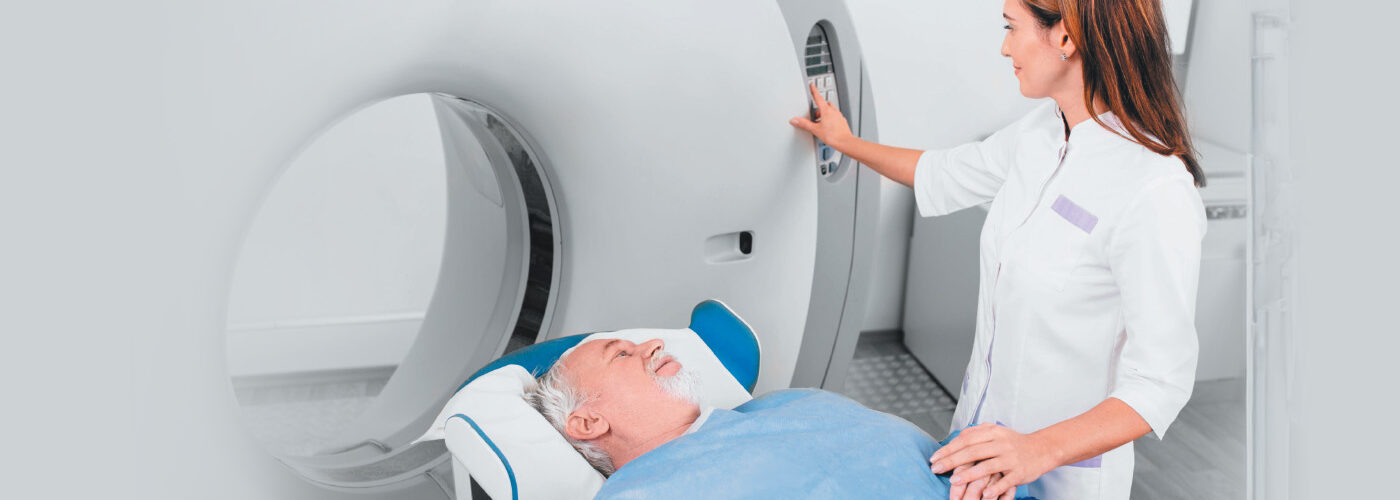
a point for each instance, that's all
(991, 449)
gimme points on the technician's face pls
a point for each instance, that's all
(1034, 51)
(623, 377)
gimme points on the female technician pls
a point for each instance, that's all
(1089, 256)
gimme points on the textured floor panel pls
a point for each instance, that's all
(899, 385)
(895, 384)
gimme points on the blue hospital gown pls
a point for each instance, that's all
(796, 443)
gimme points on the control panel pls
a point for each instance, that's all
(820, 70)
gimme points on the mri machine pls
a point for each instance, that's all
(609, 165)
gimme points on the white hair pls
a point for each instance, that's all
(556, 397)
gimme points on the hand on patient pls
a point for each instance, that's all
(974, 489)
(981, 453)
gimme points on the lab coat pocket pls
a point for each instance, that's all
(1071, 481)
(1060, 236)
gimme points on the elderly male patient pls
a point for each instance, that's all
(630, 410)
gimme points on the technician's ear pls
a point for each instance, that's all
(1059, 38)
(584, 425)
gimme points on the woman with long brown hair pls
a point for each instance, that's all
(1090, 253)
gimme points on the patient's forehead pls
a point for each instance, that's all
(586, 354)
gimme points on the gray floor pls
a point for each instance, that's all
(885, 377)
(1202, 457)
(1204, 451)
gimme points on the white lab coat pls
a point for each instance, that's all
(1090, 257)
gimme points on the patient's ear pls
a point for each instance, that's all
(584, 425)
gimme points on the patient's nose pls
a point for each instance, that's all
(650, 347)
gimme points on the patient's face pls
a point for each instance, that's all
(628, 382)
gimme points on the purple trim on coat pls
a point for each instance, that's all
(1076, 215)
(1092, 463)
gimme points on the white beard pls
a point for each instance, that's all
(683, 386)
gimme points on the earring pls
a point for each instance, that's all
(1064, 57)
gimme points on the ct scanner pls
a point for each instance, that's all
(139, 138)
(609, 165)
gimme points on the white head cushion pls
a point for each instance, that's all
(509, 448)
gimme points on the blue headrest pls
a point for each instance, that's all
(732, 341)
(730, 338)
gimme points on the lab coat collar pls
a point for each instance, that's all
(1091, 131)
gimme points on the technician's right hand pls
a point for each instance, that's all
(974, 490)
(830, 127)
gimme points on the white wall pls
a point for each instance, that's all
(1217, 89)
(341, 262)
(1342, 80)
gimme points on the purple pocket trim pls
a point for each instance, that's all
(1092, 463)
(1080, 217)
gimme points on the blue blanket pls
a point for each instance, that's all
(797, 443)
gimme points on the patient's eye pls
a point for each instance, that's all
(621, 354)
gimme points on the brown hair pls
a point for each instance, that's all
(1127, 63)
